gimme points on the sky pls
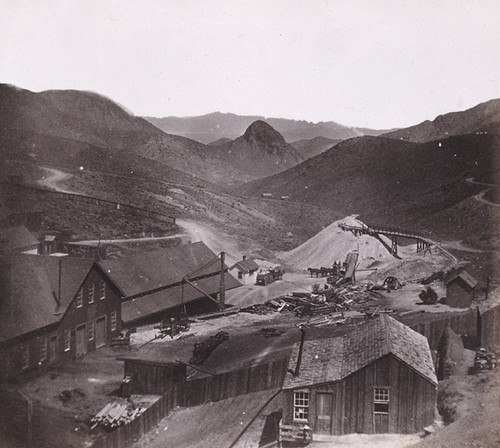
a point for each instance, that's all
(373, 63)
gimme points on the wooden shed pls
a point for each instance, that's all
(460, 290)
(245, 270)
(379, 378)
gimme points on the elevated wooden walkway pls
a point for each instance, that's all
(423, 243)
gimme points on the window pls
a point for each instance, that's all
(381, 400)
(91, 330)
(102, 289)
(79, 298)
(300, 406)
(26, 357)
(240, 275)
(43, 349)
(67, 340)
(91, 292)
(53, 347)
(113, 321)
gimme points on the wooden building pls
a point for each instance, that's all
(17, 239)
(153, 287)
(53, 309)
(460, 290)
(245, 270)
(377, 379)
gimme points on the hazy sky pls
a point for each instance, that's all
(376, 63)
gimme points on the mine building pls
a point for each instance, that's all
(245, 270)
(379, 378)
(460, 290)
(53, 309)
(154, 287)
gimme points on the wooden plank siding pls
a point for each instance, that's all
(411, 399)
(11, 352)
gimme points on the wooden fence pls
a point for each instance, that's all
(104, 203)
(489, 328)
(16, 419)
(196, 392)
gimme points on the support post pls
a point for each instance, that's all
(222, 289)
(394, 245)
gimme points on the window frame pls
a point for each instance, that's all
(67, 340)
(79, 298)
(301, 403)
(91, 330)
(102, 289)
(381, 400)
(25, 359)
(91, 292)
(113, 319)
(43, 349)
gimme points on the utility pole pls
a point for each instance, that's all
(222, 289)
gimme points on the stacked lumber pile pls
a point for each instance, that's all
(116, 414)
(320, 302)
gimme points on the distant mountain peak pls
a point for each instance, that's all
(261, 132)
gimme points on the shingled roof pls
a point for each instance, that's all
(29, 291)
(329, 360)
(149, 271)
(246, 266)
(16, 238)
(466, 278)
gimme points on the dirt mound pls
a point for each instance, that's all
(333, 244)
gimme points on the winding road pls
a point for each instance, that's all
(480, 196)
(53, 179)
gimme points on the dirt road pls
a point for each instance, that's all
(53, 179)
(480, 196)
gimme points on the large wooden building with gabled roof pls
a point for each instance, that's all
(379, 378)
(53, 309)
(152, 283)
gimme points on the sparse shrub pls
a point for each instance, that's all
(447, 407)
(428, 296)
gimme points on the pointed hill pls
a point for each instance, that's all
(388, 181)
(481, 118)
(67, 129)
(261, 151)
(216, 125)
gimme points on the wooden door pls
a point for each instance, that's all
(100, 332)
(381, 423)
(324, 404)
(81, 340)
(52, 348)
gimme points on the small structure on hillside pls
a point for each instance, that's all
(245, 270)
(460, 290)
(379, 378)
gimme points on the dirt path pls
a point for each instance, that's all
(215, 239)
(480, 196)
(53, 179)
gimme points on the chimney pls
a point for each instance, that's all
(244, 257)
(299, 356)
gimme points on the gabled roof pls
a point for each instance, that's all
(16, 238)
(164, 299)
(329, 360)
(149, 271)
(246, 266)
(466, 278)
(29, 291)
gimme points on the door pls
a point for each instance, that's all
(52, 348)
(381, 423)
(324, 402)
(100, 332)
(81, 340)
